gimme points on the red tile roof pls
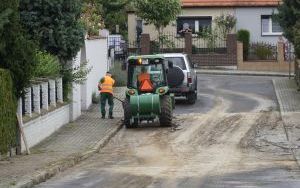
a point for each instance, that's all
(229, 3)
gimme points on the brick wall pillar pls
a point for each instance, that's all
(36, 98)
(145, 44)
(52, 93)
(231, 44)
(27, 102)
(232, 49)
(240, 53)
(59, 90)
(280, 52)
(188, 38)
(19, 109)
(45, 105)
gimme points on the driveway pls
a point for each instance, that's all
(233, 137)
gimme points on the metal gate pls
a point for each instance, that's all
(118, 52)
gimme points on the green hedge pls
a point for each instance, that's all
(244, 37)
(8, 109)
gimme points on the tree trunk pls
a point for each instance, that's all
(160, 34)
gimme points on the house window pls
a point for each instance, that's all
(192, 24)
(269, 26)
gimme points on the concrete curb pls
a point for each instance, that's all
(66, 163)
(282, 113)
(278, 98)
(242, 73)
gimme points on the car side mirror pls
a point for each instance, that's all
(170, 64)
(195, 65)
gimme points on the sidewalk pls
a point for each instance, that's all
(289, 102)
(67, 147)
(238, 72)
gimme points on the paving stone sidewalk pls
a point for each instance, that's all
(68, 146)
(289, 102)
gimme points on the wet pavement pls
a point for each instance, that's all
(233, 137)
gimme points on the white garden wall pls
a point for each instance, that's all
(75, 110)
(43, 126)
(96, 55)
(53, 113)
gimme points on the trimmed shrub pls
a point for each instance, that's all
(8, 121)
(262, 50)
(47, 65)
(244, 37)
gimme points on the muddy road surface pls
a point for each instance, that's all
(233, 137)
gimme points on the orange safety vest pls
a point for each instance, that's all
(107, 85)
(143, 76)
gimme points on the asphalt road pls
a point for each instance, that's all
(243, 92)
(233, 137)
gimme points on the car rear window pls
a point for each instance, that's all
(177, 61)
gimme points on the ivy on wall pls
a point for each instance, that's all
(8, 119)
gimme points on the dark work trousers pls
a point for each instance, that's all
(106, 97)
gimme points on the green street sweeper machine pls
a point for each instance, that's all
(147, 95)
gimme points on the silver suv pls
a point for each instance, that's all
(182, 77)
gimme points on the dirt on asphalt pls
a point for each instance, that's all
(209, 150)
(214, 149)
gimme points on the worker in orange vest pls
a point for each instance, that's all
(144, 75)
(144, 80)
(105, 87)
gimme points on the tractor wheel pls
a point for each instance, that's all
(165, 117)
(127, 115)
(191, 97)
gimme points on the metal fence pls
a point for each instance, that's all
(168, 43)
(132, 48)
(206, 46)
(120, 50)
(262, 51)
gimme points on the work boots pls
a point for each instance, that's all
(110, 116)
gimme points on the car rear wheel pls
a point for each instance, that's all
(191, 97)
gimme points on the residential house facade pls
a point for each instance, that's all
(253, 15)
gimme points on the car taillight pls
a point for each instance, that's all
(189, 78)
